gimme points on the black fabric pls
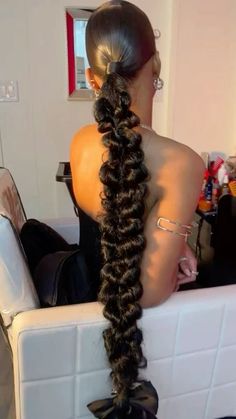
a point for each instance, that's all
(62, 278)
(216, 274)
(142, 404)
(222, 269)
(38, 240)
(225, 230)
(60, 271)
(90, 244)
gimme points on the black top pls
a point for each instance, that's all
(90, 243)
(90, 237)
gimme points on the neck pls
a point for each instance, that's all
(142, 94)
(144, 113)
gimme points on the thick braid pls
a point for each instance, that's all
(124, 177)
(119, 43)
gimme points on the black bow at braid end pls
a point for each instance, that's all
(142, 404)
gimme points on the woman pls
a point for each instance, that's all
(138, 188)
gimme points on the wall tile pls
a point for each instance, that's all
(90, 357)
(162, 409)
(48, 399)
(193, 334)
(192, 372)
(226, 366)
(189, 406)
(229, 335)
(155, 330)
(98, 385)
(159, 373)
(40, 344)
(222, 402)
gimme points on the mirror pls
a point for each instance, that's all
(76, 21)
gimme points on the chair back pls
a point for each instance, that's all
(17, 290)
(10, 201)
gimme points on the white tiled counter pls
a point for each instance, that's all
(190, 343)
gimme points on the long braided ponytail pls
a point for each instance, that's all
(124, 176)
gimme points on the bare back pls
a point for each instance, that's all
(173, 189)
(88, 154)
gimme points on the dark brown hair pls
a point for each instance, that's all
(119, 41)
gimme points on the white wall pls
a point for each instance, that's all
(160, 15)
(36, 132)
(1, 152)
(197, 105)
(203, 74)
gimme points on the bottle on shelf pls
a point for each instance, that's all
(215, 194)
(225, 186)
(204, 205)
(232, 187)
(208, 189)
(205, 202)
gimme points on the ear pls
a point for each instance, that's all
(92, 79)
(156, 64)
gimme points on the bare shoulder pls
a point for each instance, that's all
(174, 168)
(185, 158)
(83, 144)
(174, 158)
(83, 134)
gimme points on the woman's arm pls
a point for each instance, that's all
(180, 183)
(187, 267)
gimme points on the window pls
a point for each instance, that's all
(76, 21)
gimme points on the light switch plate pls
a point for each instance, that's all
(9, 91)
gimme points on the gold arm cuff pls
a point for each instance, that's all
(187, 227)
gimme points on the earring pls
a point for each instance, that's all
(95, 89)
(96, 92)
(93, 84)
(158, 83)
(155, 83)
(157, 33)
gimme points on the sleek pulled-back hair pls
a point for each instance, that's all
(119, 41)
(119, 32)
